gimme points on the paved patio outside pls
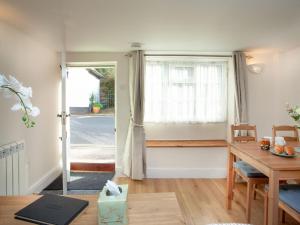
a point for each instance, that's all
(92, 138)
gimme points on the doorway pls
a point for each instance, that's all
(91, 101)
(88, 129)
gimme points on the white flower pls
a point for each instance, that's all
(12, 87)
(26, 92)
(16, 107)
(7, 93)
(3, 80)
(27, 102)
(35, 111)
(32, 110)
(14, 83)
(297, 110)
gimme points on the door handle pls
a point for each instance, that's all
(66, 115)
(63, 117)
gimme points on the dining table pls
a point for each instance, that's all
(276, 168)
(143, 209)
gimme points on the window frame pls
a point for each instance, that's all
(224, 61)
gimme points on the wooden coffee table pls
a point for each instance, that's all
(143, 209)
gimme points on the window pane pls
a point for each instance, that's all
(185, 91)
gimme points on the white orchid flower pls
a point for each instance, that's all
(35, 111)
(32, 110)
(14, 83)
(16, 107)
(26, 92)
(3, 80)
(12, 87)
(7, 93)
(27, 102)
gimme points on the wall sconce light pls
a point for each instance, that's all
(254, 66)
(136, 45)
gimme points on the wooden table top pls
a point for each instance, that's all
(273, 162)
(143, 209)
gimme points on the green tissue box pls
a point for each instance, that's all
(112, 210)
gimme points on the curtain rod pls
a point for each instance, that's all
(188, 55)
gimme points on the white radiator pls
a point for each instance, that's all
(13, 174)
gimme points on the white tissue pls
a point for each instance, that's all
(280, 141)
(113, 188)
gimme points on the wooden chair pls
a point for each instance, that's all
(242, 128)
(285, 128)
(289, 202)
(252, 176)
(285, 207)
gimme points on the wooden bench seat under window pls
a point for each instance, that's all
(185, 143)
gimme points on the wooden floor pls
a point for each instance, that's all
(202, 200)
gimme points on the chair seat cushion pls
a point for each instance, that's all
(290, 195)
(248, 170)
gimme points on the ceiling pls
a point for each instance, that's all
(186, 25)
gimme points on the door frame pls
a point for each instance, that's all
(64, 114)
(105, 166)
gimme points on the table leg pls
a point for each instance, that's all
(273, 218)
(249, 200)
(229, 178)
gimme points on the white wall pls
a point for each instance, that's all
(38, 67)
(122, 91)
(186, 162)
(268, 92)
(81, 84)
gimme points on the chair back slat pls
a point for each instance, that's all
(286, 128)
(243, 138)
(290, 138)
(243, 127)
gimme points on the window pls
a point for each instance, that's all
(185, 91)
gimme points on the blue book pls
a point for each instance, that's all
(52, 210)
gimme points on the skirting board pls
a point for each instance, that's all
(38, 186)
(186, 172)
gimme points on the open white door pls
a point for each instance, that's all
(65, 125)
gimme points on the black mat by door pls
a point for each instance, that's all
(83, 181)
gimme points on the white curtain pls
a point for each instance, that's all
(134, 154)
(181, 91)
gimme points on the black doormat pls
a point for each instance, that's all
(82, 181)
